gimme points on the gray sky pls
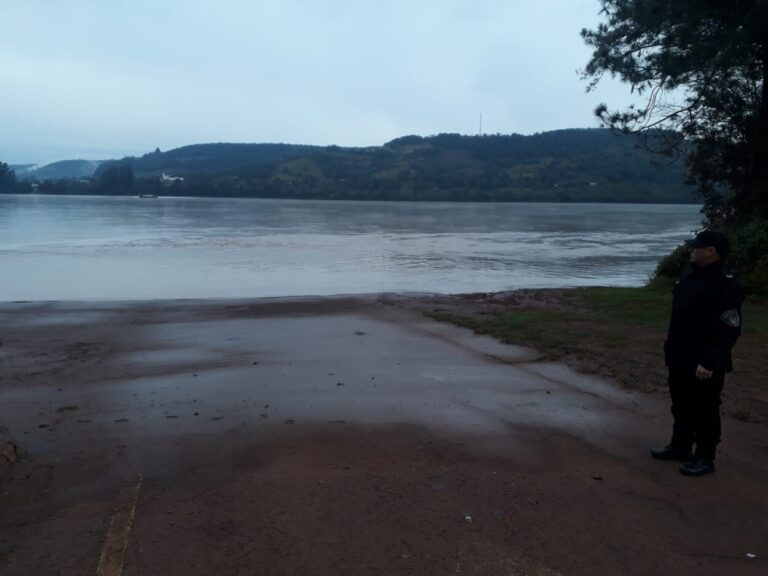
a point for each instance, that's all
(107, 78)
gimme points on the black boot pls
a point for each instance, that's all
(698, 467)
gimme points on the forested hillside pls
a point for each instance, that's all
(582, 165)
(64, 169)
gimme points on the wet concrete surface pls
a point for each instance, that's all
(343, 435)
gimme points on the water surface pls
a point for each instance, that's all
(81, 247)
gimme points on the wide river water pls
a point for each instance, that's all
(106, 248)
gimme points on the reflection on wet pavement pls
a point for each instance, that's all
(162, 378)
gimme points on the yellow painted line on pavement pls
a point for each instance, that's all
(116, 542)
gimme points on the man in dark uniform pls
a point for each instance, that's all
(704, 325)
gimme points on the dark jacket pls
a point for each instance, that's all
(705, 321)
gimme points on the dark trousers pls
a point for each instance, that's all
(696, 410)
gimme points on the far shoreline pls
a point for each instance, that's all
(360, 200)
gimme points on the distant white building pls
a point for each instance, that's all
(168, 180)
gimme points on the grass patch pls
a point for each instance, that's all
(585, 317)
(646, 306)
(526, 327)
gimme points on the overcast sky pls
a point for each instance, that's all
(107, 78)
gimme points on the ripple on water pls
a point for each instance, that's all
(112, 248)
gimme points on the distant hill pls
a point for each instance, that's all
(21, 169)
(219, 158)
(57, 170)
(577, 165)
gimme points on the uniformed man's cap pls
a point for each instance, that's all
(707, 238)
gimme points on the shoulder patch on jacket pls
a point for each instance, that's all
(731, 318)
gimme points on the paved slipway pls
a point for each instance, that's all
(342, 436)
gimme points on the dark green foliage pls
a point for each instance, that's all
(214, 158)
(117, 179)
(749, 256)
(672, 266)
(562, 166)
(7, 179)
(565, 165)
(69, 186)
(714, 56)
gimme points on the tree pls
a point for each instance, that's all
(118, 178)
(701, 66)
(7, 179)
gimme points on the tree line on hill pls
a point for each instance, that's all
(578, 165)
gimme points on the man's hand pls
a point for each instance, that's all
(702, 373)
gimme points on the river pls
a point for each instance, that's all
(122, 248)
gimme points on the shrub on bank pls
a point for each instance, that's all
(749, 254)
(748, 259)
(671, 267)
